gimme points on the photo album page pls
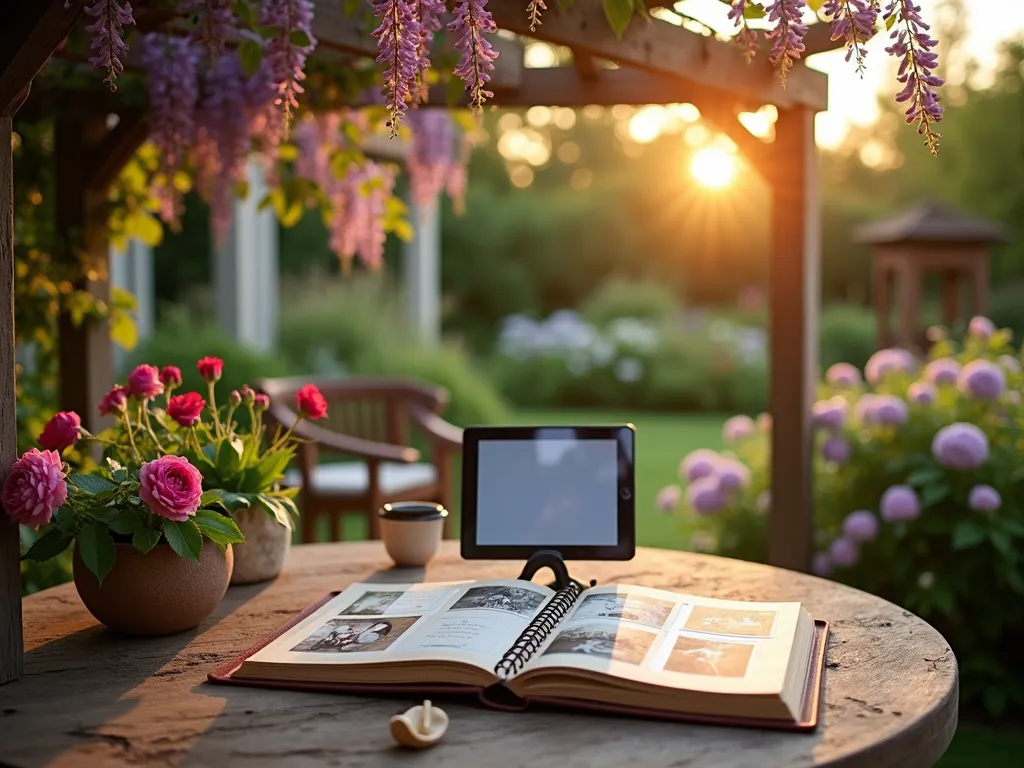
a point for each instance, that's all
(388, 624)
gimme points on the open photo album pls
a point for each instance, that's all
(514, 643)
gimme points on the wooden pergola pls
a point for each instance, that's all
(656, 62)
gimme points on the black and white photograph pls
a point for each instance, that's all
(355, 635)
(728, 621)
(626, 607)
(372, 603)
(604, 642)
(517, 600)
(697, 656)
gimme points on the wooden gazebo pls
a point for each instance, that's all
(657, 62)
(928, 237)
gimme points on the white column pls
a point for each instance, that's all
(131, 270)
(422, 270)
(245, 270)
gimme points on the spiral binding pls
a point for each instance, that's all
(537, 631)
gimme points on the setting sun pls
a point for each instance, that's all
(713, 167)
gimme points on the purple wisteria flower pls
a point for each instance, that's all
(982, 379)
(836, 449)
(860, 526)
(215, 22)
(922, 393)
(820, 564)
(887, 361)
(787, 35)
(1009, 363)
(912, 43)
(984, 498)
(942, 371)
(431, 153)
(286, 52)
(107, 34)
(427, 15)
(981, 327)
(899, 504)
(745, 38)
(889, 410)
(831, 413)
(843, 552)
(737, 429)
(843, 375)
(960, 446)
(699, 463)
(473, 21)
(854, 22)
(668, 498)
(533, 9)
(732, 474)
(705, 496)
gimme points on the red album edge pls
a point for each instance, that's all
(224, 675)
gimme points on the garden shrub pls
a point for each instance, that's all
(919, 496)
(847, 334)
(617, 298)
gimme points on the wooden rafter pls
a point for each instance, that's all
(115, 149)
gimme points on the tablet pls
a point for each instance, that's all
(568, 489)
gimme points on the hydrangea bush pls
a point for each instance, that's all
(919, 486)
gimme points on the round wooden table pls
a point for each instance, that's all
(91, 697)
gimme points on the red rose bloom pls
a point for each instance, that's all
(170, 375)
(311, 402)
(210, 368)
(145, 382)
(61, 431)
(115, 400)
(186, 409)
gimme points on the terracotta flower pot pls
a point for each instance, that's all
(158, 593)
(266, 545)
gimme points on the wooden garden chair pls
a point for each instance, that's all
(368, 420)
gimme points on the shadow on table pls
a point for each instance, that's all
(78, 686)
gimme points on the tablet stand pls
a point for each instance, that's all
(549, 558)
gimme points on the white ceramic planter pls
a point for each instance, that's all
(266, 545)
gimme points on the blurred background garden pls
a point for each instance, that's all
(610, 265)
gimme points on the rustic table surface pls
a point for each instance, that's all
(92, 698)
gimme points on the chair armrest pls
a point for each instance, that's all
(353, 446)
(437, 429)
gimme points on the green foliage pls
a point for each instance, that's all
(960, 569)
(617, 298)
(848, 334)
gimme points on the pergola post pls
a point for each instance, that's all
(422, 272)
(792, 172)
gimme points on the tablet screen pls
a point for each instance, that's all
(556, 491)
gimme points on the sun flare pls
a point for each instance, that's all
(713, 167)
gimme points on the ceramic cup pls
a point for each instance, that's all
(411, 531)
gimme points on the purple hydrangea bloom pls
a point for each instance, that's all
(984, 498)
(831, 413)
(912, 43)
(889, 410)
(864, 409)
(922, 393)
(981, 327)
(899, 504)
(854, 22)
(820, 564)
(860, 526)
(843, 552)
(982, 379)
(472, 21)
(705, 496)
(942, 371)
(960, 446)
(836, 449)
(107, 34)
(732, 474)
(787, 35)
(737, 429)
(698, 464)
(1010, 363)
(843, 375)
(668, 498)
(887, 361)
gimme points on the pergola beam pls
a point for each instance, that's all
(663, 47)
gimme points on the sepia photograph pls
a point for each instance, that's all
(355, 635)
(372, 603)
(517, 600)
(620, 643)
(696, 656)
(726, 621)
(641, 610)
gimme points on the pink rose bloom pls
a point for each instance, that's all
(699, 463)
(35, 488)
(170, 375)
(145, 382)
(115, 400)
(171, 487)
(186, 409)
(61, 431)
(210, 368)
(261, 402)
